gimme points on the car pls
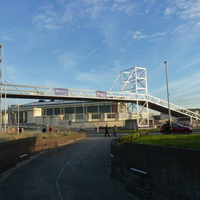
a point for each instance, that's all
(177, 128)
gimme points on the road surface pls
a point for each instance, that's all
(78, 171)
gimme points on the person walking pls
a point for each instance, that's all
(115, 131)
(50, 129)
(97, 129)
(106, 131)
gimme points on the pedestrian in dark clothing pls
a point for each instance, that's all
(20, 130)
(44, 130)
(106, 131)
(115, 131)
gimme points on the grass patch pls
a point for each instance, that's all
(191, 141)
(6, 137)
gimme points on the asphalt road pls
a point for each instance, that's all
(78, 171)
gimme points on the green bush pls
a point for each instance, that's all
(131, 137)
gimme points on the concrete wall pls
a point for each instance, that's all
(88, 123)
(16, 151)
(165, 173)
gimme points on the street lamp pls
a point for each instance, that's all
(168, 95)
(18, 118)
(1, 81)
(5, 122)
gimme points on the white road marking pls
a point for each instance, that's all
(23, 155)
(137, 170)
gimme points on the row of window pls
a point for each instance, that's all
(88, 109)
(94, 116)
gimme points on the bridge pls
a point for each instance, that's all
(133, 92)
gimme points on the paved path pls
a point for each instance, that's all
(79, 171)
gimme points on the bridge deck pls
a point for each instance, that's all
(34, 92)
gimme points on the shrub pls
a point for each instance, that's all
(131, 137)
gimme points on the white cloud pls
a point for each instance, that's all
(70, 13)
(98, 56)
(138, 35)
(169, 11)
(48, 20)
(181, 29)
(184, 9)
(69, 61)
(123, 50)
(198, 24)
(96, 77)
(159, 34)
(52, 27)
(121, 1)
(12, 73)
(178, 89)
(123, 6)
(6, 38)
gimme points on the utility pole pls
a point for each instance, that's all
(1, 82)
(18, 118)
(168, 95)
(5, 100)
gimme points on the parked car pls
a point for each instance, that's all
(177, 128)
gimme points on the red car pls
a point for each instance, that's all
(177, 128)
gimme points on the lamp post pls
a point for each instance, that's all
(1, 81)
(168, 95)
(5, 122)
(18, 118)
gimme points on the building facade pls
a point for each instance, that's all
(69, 114)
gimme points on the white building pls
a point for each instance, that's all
(70, 114)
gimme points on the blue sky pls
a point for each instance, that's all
(86, 43)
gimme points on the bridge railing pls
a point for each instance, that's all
(91, 94)
(78, 93)
(173, 107)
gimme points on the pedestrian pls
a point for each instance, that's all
(82, 128)
(97, 129)
(44, 130)
(106, 131)
(50, 129)
(115, 131)
(20, 130)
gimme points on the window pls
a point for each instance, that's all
(21, 117)
(96, 116)
(56, 111)
(80, 109)
(92, 109)
(176, 125)
(69, 110)
(79, 117)
(66, 117)
(49, 111)
(104, 109)
(111, 116)
(114, 108)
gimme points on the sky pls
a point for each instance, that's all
(84, 44)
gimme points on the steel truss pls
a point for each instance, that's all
(134, 81)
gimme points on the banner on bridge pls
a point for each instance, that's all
(101, 94)
(61, 91)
